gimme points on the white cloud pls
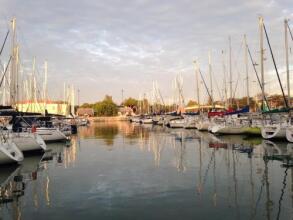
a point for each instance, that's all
(102, 46)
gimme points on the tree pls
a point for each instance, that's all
(87, 105)
(106, 107)
(191, 103)
(130, 102)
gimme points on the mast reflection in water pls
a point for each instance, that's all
(120, 170)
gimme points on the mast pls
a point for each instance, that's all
(4, 90)
(261, 58)
(211, 79)
(64, 93)
(12, 67)
(287, 60)
(246, 69)
(225, 83)
(230, 71)
(16, 74)
(72, 100)
(32, 87)
(197, 83)
(34, 80)
(45, 85)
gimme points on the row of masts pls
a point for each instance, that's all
(229, 103)
(17, 88)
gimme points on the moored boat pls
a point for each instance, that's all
(274, 131)
(275, 127)
(190, 122)
(26, 141)
(177, 123)
(51, 134)
(9, 153)
(147, 121)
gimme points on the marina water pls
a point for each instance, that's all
(119, 170)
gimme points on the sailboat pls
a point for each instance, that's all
(276, 125)
(289, 129)
(40, 127)
(203, 122)
(9, 153)
(236, 121)
(27, 141)
(179, 121)
(191, 119)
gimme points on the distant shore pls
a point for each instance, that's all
(109, 118)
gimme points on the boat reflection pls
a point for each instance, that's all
(225, 172)
(180, 150)
(7, 189)
(259, 154)
(16, 181)
(13, 188)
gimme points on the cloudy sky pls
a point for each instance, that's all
(104, 46)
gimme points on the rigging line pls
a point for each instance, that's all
(238, 73)
(181, 92)
(275, 65)
(217, 86)
(4, 42)
(236, 65)
(234, 93)
(282, 192)
(290, 31)
(160, 94)
(2, 66)
(253, 65)
(208, 168)
(5, 71)
(237, 70)
(206, 87)
(259, 195)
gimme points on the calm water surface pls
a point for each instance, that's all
(126, 171)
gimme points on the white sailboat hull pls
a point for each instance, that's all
(9, 153)
(190, 124)
(177, 123)
(289, 134)
(29, 142)
(51, 134)
(203, 125)
(227, 129)
(276, 131)
(147, 121)
(135, 120)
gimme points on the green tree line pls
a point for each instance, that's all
(106, 107)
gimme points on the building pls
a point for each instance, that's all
(52, 107)
(85, 112)
(125, 111)
(196, 108)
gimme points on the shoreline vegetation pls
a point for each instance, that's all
(107, 109)
(107, 118)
